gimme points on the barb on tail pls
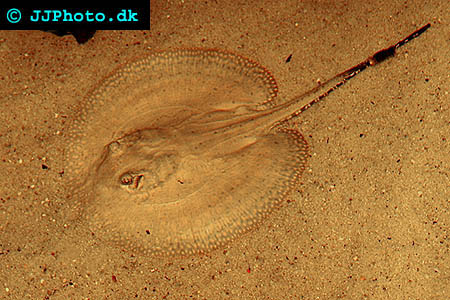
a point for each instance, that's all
(327, 87)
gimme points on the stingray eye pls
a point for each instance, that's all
(114, 147)
(126, 179)
(132, 181)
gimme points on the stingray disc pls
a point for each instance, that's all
(149, 180)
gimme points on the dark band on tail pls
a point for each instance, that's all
(377, 58)
(332, 84)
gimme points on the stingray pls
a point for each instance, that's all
(184, 150)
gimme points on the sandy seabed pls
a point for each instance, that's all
(370, 219)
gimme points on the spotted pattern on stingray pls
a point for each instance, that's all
(165, 155)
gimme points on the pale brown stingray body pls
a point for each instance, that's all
(182, 151)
